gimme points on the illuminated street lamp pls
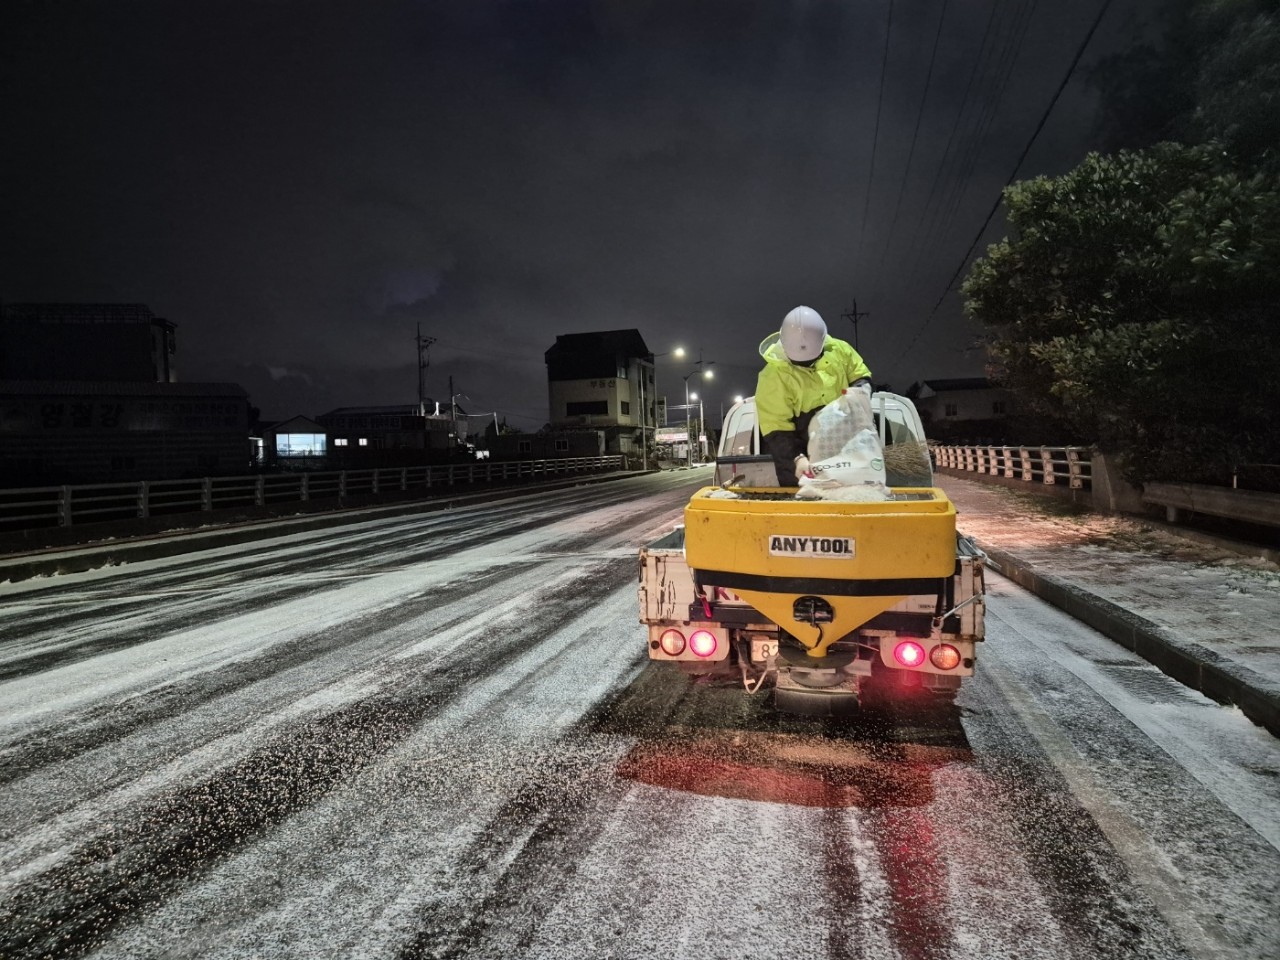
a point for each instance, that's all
(703, 367)
(644, 407)
(737, 399)
(702, 430)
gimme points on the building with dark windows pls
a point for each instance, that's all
(552, 445)
(603, 381)
(99, 342)
(88, 395)
(56, 432)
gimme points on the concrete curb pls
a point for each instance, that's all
(1195, 666)
(91, 556)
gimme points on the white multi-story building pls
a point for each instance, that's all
(603, 381)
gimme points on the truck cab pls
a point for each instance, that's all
(741, 461)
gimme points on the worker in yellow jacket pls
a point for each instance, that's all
(804, 370)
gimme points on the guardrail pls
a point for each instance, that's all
(1072, 466)
(31, 508)
(1066, 470)
(1180, 499)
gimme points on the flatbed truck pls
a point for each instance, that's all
(825, 602)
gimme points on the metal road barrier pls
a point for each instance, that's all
(1063, 471)
(31, 508)
(1180, 499)
(1048, 465)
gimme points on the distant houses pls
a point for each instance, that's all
(968, 409)
(89, 393)
(353, 438)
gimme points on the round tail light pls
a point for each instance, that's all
(703, 643)
(909, 653)
(672, 643)
(944, 656)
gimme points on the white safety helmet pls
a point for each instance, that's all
(803, 334)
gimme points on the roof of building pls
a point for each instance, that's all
(626, 342)
(393, 410)
(79, 312)
(954, 384)
(296, 425)
(118, 388)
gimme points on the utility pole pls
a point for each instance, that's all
(453, 414)
(853, 315)
(644, 418)
(424, 345)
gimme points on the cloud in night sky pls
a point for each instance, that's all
(298, 186)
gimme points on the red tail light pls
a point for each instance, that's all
(703, 643)
(672, 643)
(944, 656)
(909, 653)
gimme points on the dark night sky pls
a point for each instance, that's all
(297, 184)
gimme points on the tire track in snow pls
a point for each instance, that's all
(531, 847)
(1087, 889)
(154, 852)
(79, 635)
(67, 739)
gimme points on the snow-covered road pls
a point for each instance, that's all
(440, 736)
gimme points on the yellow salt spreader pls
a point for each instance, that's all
(822, 601)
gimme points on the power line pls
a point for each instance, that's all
(1044, 119)
(917, 249)
(915, 134)
(1005, 59)
(998, 37)
(507, 414)
(1008, 61)
(875, 135)
(949, 160)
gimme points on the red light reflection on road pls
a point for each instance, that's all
(893, 780)
(785, 768)
(917, 882)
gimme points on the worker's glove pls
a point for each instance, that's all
(802, 466)
(864, 385)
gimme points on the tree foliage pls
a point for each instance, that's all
(1237, 89)
(1138, 295)
(1212, 74)
(1147, 91)
(1137, 299)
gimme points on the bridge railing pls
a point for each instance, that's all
(1069, 469)
(28, 508)
(1070, 466)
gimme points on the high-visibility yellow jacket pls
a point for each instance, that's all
(788, 395)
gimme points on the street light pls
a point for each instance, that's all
(737, 399)
(453, 410)
(703, 367)
(644, 407)
(702, 429)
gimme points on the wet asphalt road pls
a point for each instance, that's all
(440, 736)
